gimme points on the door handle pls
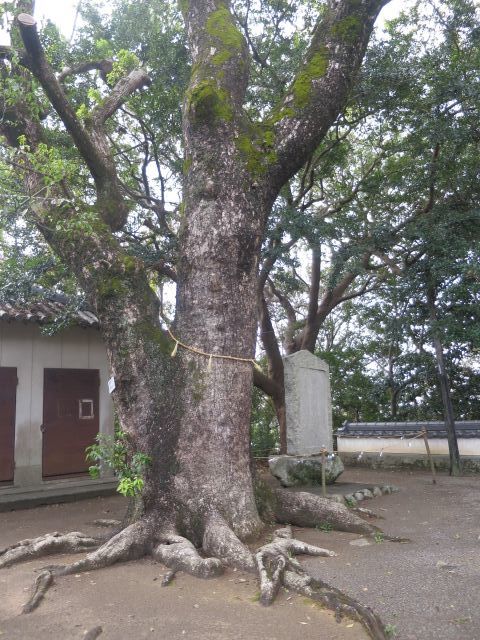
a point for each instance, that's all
(43, 428)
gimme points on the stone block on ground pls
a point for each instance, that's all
(350, 500)
(389, 488)
(305, 470)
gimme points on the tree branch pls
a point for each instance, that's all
(104, 66)
(359, 292)
(320, 88)
(284, 301)
(266, 384)
(124, 88)
(92, 143)
(269, 340)
(331, 299)
(39, 66)
(276, 250)
(389, 262)
(314, 284)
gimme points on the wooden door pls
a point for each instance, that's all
(70, 419)
(8, 393)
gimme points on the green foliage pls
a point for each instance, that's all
(263, 426)
(125, 62)
(390, 630)
(103, 48)
(409, 131)
(48, 161)
(356, 396)
(114, 451)
(373, 173)
(326, 527)
(83, 112)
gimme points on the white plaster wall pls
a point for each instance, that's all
(438, 446)
(24, 346)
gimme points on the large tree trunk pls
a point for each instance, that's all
(216, 312)
(220, 242)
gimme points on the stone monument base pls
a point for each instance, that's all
(295, 471)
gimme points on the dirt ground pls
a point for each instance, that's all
(427, 590)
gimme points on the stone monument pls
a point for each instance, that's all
(308, 404)
(309, 423)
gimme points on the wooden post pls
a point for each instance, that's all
(430, 459)
(324, 481)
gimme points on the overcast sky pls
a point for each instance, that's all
(63, 12)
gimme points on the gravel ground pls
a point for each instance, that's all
(427, 589)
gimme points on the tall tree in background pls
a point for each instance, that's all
(368, 199)
(191, 420)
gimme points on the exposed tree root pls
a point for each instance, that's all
(50, 543)
(221, 542)
(129, 544)
(362, 511)
(309, 510)
(42, 583)
(275, 557)
(168, 578)
(337, 601)
(276, 566)
(179, 554)
(274, 561)
(93, 634)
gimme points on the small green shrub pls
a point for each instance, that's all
(113, 451)
(390, 630)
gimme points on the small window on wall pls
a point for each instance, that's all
(85, 409)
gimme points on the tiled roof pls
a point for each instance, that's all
(45, 311)
(435, 429)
